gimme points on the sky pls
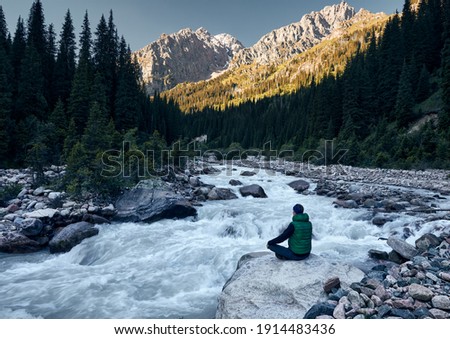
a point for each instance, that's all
(143, 21)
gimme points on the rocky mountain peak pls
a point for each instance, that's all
(185, 56)
(285, 42)
(193, 56)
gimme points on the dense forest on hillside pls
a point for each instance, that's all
(390, 107)
(258, 81)
(59, 107)
(67, 103)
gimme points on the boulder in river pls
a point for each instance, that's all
(248, 174)
(255, 191)
(221, 194)
(71, 236)
(299, 185)
(152, 204)
(234, 182)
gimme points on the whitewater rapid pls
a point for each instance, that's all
(176, 269)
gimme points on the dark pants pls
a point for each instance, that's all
(284, 253)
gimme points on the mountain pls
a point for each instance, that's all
(254, 80)
(185, 56)
(192, 56)
(285, 42)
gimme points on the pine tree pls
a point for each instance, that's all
(36, 33)
(391, 58)
(85, 56)
(86, 175)
(65, 62)
(405, 99)
(407, 24)
(423, 85)
(18, 49)
(96, 136)
(81, 95)
(71, 139)
(58, 119)
(105, 58)
(30, 97)
(77, 179)
(6, 126)
(127, 97)
(4, 41)
(49, 64)
(444, 117)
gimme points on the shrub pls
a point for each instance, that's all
(9, 192)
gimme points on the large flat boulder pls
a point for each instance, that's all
(42, 213)
(71, 236)
(150, 205)
(264, 287)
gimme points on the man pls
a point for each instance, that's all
(299, 233)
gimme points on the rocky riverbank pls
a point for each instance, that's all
(35, 218)
(417, 288)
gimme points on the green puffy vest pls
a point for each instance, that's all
(300, 241)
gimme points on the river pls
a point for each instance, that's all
(176, 269)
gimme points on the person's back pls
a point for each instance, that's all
(300, 241)
(299, 233)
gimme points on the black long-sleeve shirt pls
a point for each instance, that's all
(288, 232)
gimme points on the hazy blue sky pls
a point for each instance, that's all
(143, 21)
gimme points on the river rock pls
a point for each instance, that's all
(299, 185)
(444, 276)
(346, 203)
(426, 241)
(420, 292)
(54, 195)
(71, 236)
(221, 194)
(108, 211)
(149, 205)
(267, 288)
(248, 174)
(31, 227)
(255, 191)
(40, 206)
(406, 250)
(16, 243)
(339, 311)
(39, 191)
(22, 193)
(13, 208)
(194, 181)
(442, 302)
(319, 310)
(378, 255)
(44, 213)
(380, 220)
(439, 314)
(234, 182)
(330, 284)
